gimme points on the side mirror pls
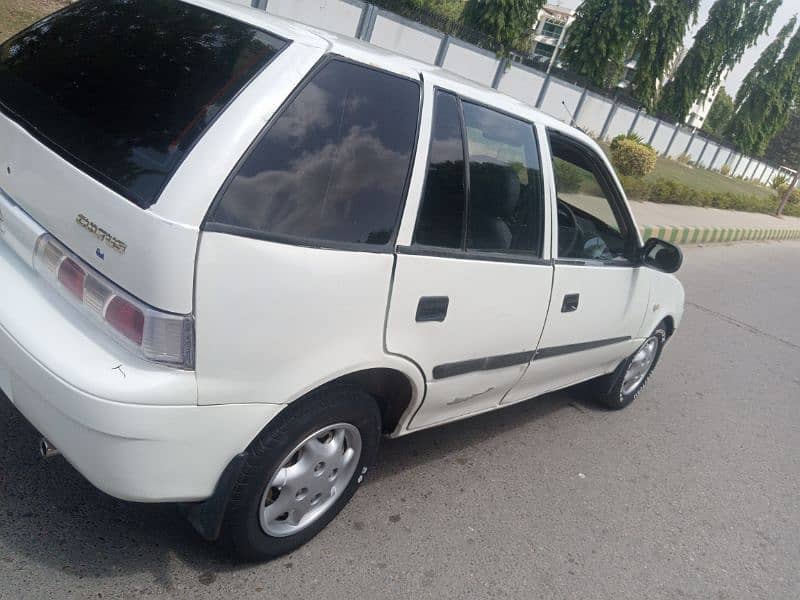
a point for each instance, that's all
(661, 255)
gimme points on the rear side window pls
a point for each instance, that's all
(441, 218)
(506, 198)
(497, 205)
(333, 166)
(124, 88)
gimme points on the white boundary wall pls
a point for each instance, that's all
(602, 117)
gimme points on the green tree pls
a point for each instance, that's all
(732, 27)
(765, 62)
(661, 41)
(510, 22)
(720, 114)
(767, 108)
(784, 149)
(602, 38)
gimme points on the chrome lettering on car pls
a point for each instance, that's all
(101, 234)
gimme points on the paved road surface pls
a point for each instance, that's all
(693, 492)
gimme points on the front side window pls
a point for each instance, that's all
(497, 205)
(590, 224)
(333, 166)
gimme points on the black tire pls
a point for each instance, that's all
(609, 390)
(241, 526)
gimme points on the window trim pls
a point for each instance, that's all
(417, 249)
(617, 202)
(105, 180)
(210, 225)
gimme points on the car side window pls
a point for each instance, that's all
(501, 195)
(333, 165)
(506, 202)
(590, 225)
(441, 218)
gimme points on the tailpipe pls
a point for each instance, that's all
(46, 449)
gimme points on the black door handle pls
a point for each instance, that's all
(570, 303)
(432, 308)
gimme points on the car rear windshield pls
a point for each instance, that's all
(124, 88)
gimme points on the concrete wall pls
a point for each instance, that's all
(593, 112)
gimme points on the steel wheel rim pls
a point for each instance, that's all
(640, 365)
(310, 479)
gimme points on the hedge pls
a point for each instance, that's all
(666, 191)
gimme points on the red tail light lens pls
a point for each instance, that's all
(126, 318)
(72, 277)
(153, 334)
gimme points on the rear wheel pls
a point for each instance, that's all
(618, 390)
(301, 471)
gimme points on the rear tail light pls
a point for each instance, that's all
(152, 334)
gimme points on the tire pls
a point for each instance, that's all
(617, 391)
(288, 445)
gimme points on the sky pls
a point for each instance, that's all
(785, 13)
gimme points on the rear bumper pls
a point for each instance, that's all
(133, 429)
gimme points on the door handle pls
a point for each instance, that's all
(432, 308)
(570, 303)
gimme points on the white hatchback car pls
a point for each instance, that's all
(234, 251)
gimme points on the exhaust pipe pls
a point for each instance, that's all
(46, 449)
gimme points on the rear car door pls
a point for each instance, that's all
(600, 292)
(471, 289)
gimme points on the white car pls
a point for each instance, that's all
(234, 251)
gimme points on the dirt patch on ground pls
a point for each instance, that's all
(18, 14)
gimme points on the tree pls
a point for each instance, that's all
(784, 149)
(732, 27)
(765, 62)
(602, 37)
(658, 46)
(767, 108)
(510, 22)
(720, 114)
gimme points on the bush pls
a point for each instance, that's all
(725, 170)
(626, 137)
(684, 158)
(633, 159)
(779, 182)
(667, 191)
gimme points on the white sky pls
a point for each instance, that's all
(785, 12)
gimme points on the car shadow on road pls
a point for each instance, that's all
(50, 515)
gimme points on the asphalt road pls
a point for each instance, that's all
(692, 492)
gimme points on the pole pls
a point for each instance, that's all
(788, 193)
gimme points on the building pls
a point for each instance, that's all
(550, 33)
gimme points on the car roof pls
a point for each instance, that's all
(364, 52)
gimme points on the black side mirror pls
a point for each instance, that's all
(661, 255)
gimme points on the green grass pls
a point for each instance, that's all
(704, 180)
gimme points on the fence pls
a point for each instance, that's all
(600, 116)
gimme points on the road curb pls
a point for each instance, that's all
(711, 235)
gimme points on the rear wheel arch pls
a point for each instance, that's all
(393, 390)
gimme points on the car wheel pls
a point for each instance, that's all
(301, 470)
(624, 385)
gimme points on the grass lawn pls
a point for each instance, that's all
(18, 14)
(704, 180)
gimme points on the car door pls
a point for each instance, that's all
(600, 293)
(472, 284)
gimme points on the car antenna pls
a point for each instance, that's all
(572, 122)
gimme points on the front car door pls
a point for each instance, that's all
(472, 278)
(600, 293)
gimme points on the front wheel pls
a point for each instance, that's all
(618, 390)
(301, 471)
